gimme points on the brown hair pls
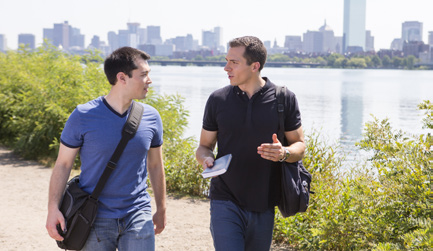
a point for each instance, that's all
(255, 50)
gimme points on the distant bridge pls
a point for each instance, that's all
(428, 65)
(222, 63)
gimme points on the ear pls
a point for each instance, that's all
(256, 66)
(121, 77)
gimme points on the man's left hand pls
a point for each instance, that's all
(271, 151)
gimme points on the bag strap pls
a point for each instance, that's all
(128, 132)
(280, 93)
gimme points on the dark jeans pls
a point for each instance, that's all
(234, 228)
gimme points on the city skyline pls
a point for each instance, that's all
(275, 20)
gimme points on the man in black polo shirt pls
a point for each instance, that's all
(243, 119)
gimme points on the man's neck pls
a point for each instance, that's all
(253, 86)
(117, 102)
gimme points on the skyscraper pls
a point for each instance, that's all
(369, 41)
(313, 42)
(430, 38)
(61, 35)
(293, 43)
(65, 36)
(411, 31)
(154, 35)
(354, 24)
(212, 39)
(27, 40)
(2, 43)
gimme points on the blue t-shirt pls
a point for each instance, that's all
(96, 128)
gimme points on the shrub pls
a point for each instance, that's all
(39, 91)
(183, 173)
(381, 205)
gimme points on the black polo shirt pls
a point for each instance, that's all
(243, 124)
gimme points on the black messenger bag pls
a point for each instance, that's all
(295, 178)
(78, 207)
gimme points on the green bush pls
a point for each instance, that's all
(40, 89)
(381, 205)
(183, 173)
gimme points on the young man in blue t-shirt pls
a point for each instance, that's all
(124, 219)
(242, 119)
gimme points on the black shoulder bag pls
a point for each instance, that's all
(295, 179)
(78, 207)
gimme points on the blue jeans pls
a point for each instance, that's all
(234, 228)
(133, 232)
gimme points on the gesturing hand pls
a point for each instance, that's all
(271, 151)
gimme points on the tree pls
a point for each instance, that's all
(199, 58)
(397, 62)
(386, 61)
(410, 62)
(358, 63)
(376, 62)
(278, 58)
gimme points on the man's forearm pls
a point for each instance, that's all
(59, 178)
(202, 153)
(157, 179)
(296, 150)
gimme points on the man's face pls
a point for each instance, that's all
(138, 83)
(238, 71)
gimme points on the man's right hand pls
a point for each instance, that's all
(54, 218)
(208, 162)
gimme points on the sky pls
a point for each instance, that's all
(267, 19)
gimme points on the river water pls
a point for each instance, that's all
(337, 102)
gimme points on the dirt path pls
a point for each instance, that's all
(24, 195)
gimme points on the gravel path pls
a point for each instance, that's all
(24, 195)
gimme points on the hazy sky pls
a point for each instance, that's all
(266, 19)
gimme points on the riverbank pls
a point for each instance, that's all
(24, 196)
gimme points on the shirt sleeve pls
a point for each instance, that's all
(157, 139)
(209, 117)
(71, 135)
(293, 114)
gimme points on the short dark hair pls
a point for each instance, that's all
(255, 50)
(122, 60)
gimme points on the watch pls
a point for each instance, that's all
(286, 154)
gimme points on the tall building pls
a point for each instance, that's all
(430, 43)
(354, 24)
(65, 36)
(328, 43)
(133, 36)
(397, 44)
(76, 38)
(369, 41)
(212, 39)
(3, 41)
(95, 42)
(411, 31)
(430, 38)
(218, 35)
(313, 42)
(293, 43)
(27, 40)
(182, 43)
(321, 41)
(61, 35)
(154, 35)
(113, 42)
